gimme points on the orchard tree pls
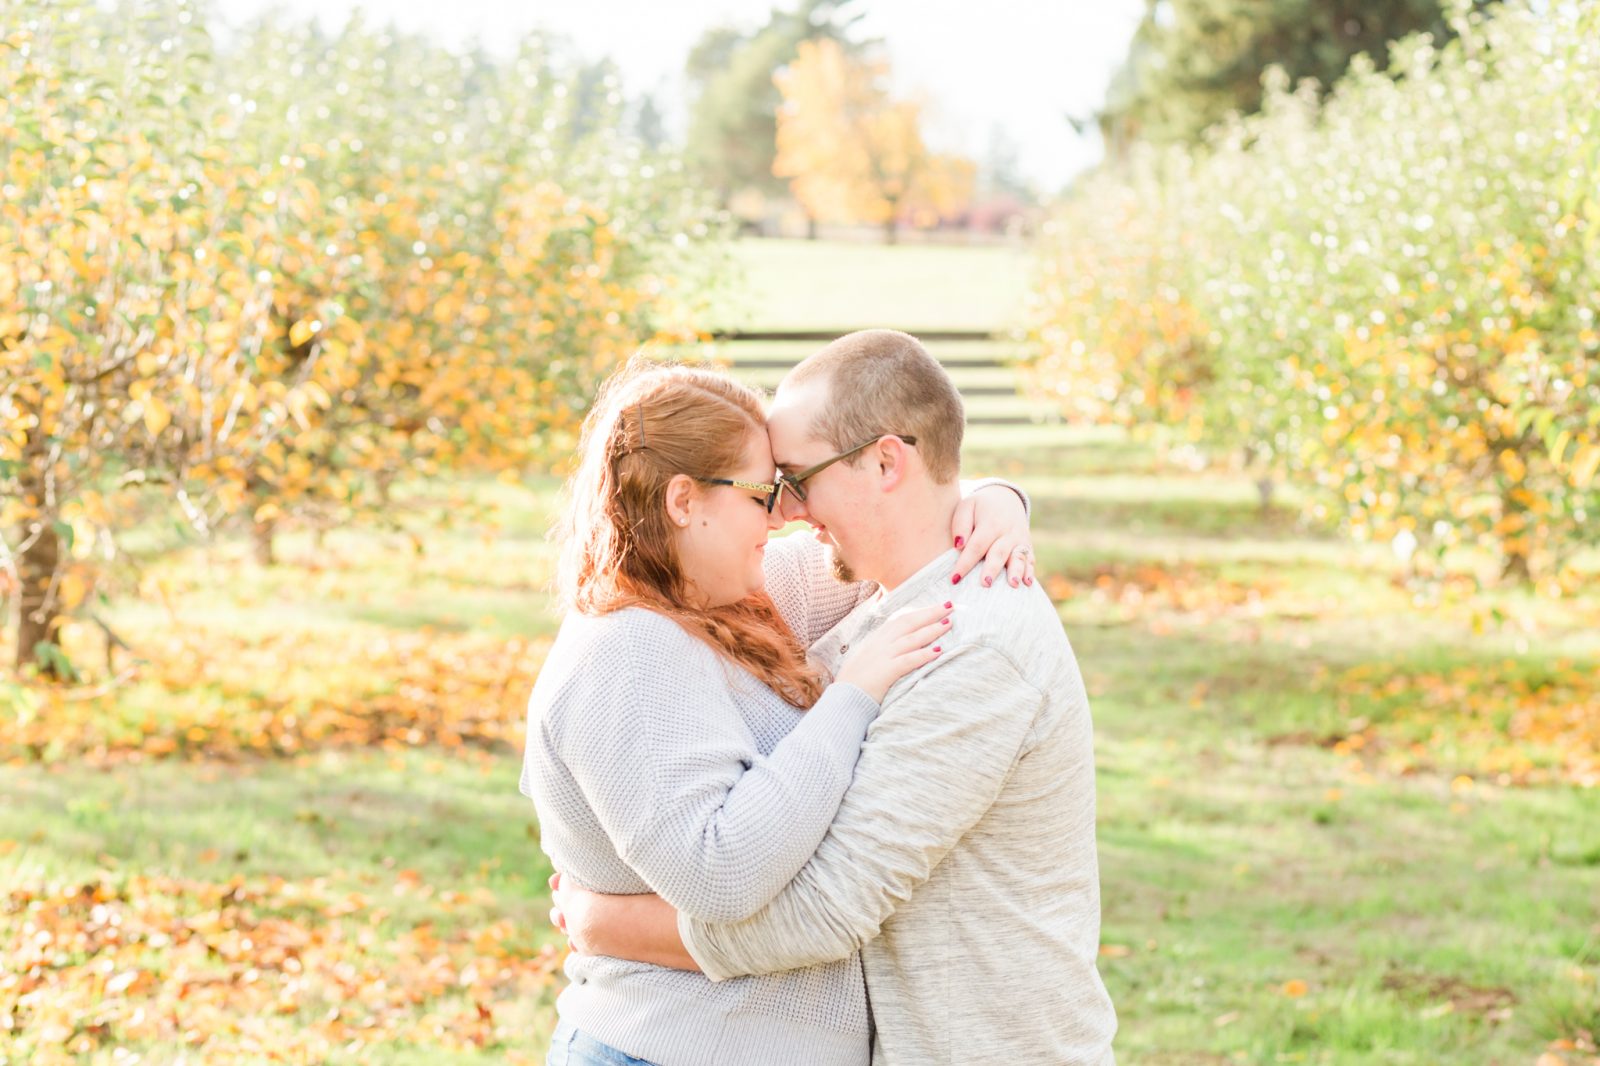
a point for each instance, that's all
(1411, 339)
(131, 310)
(273, 288)
(458, 310)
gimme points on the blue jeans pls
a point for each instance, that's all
(571, 1046)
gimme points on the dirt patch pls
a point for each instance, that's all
(1462, 996)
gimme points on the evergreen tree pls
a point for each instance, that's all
(1192, 62)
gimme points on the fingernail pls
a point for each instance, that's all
(1013, 582)
(955, 579)
(987, 582)
(937, 649)
(946, 621)
(961, 542)
(1027, 581)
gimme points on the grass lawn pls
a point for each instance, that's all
(1344, 817)
(1272, 893)
(795, 284)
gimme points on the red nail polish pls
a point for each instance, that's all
(987, 582)
(955, 579)
(948, 605)
(961, 542)
(937, 649)
(1027, 581)
(946, 621)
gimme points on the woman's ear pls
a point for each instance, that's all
(680, 499)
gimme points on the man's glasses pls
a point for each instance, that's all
(795, 483)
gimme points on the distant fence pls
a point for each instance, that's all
(977, 360)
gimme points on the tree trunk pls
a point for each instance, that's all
(1265, 487)
(811, 228)
(1515, 538)
(891, 230)
(261, 534)
(39, 616)
(36, 567)
(1517, 567)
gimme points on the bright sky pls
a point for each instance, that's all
(1022, 64)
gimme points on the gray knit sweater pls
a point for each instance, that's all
(656, 765)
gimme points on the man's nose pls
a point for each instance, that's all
(793, 508)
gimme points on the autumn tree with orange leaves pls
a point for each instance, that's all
(855, 153)
(273, 287)
(132, 312)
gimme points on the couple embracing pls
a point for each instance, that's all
(823, 799)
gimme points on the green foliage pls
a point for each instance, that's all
(1192, 62)
(1389, 297)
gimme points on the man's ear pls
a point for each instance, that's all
(892, 455)
(681, 498)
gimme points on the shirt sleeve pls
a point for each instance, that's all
(970, 487)
(664, 760)
(933, 764)
(801, 583)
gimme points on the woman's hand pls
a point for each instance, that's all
(909, 639)
(992, 525)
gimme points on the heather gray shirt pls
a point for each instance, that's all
(656, 765)
(962, 861)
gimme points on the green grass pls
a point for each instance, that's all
(354, 817)
(1247, 852)
(1239, 853)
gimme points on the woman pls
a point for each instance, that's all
(678, 741)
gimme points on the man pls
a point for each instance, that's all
(962, 861)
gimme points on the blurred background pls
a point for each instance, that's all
(1282, 310)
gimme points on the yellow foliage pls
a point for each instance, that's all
(852, 152)
(1585, 464)
(157, 416)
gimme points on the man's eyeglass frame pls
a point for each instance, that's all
(796, 482)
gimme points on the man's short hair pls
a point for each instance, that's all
(883, 381)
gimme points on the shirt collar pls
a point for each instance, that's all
(916, 587)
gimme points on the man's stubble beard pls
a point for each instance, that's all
(841, 569)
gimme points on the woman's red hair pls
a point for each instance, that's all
(648, 424)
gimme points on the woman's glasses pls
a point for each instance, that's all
(770, 492)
